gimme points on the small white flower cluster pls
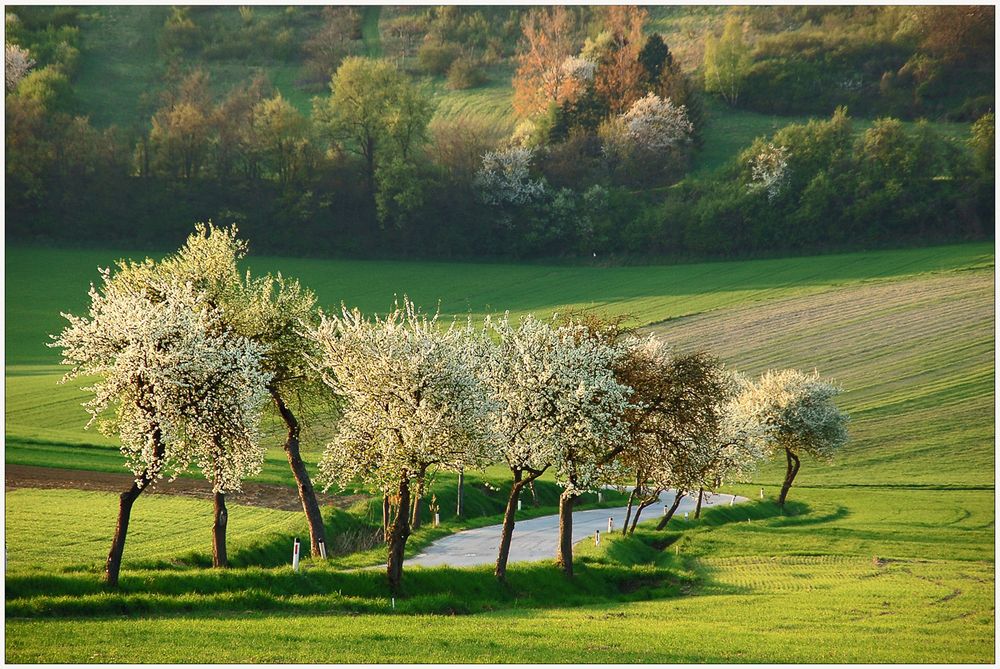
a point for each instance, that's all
(656, 123)
(769, 170)
(580, 69)
(16, 64)
(505, 177)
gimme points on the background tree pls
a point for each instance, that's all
(726, 61)
(799, 415)
(411, 402)
(619, 76)
(281, 133)
(549, 39)
(376, 112)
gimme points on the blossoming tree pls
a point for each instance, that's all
(175, 386)
(411, 401)
(589, 429)
(269, 310)
(800, 416)
(550, 409)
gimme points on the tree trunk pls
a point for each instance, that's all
(461, 492)
(534, 495)
(398, 534)
(507, 532)
(628, 511)
(793, 469)
(697, 508)
(385, 518)
(113, 566)
(125, 502)
(565, 557)
(643, 505)
(670, 513)
(307, 495)
(418, 493)
(219, 558)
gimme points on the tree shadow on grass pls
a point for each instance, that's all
(437, 590)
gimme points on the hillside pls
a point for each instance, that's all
(934, 348)
(890, 546)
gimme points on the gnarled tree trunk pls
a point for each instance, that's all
(671, 511)
(628, 510)
(125, 502)
(307, 495)
(643, 505)
(565, 557)
(790, 472)
(507, 530)
(398, 534)
(418, 493)
(219, 558)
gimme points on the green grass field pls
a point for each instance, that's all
(885, 555)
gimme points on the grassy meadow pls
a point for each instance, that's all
(884, 555)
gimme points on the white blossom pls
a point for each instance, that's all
(175, 377)
(505, 177)
(16, 62)
(579, 68)
(797, 411)
(557, 402)
(411, 398)
(769, 170)
(651, 123)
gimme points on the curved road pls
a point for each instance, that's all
(536, 539)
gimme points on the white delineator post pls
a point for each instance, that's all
(597, 537)
(322, 549)
(518, 505)
(437, 519)
(611, 524)
(600, 496)
(295, 555)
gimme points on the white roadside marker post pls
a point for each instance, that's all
(295, 556)
(762, 493)
(518, 505)
(597, 537)
(685, 516)
(732, 501)
(600, 497)
(611, 525)
(437, 519)
(322, 549)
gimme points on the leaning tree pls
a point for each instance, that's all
(799, 415)
(174, 384)
(272, 311)
(411, 401)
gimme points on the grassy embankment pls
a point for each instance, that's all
(908, 333)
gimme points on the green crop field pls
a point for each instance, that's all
(884, 555)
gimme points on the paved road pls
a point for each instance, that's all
(536, 539)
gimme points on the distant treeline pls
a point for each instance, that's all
(597, 166)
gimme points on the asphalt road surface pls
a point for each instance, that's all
(537, 538)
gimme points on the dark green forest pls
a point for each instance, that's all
(502, 132)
